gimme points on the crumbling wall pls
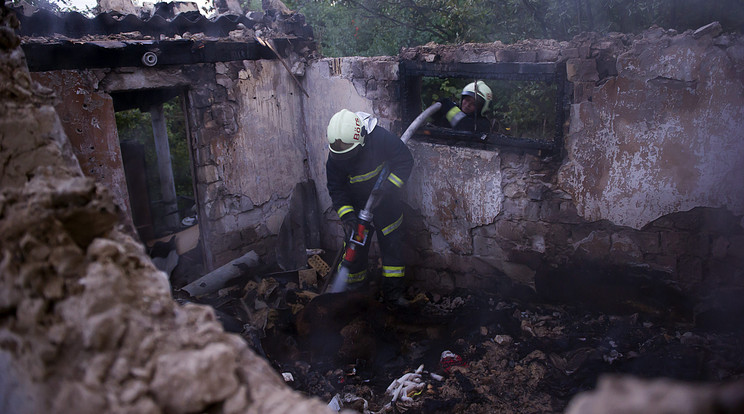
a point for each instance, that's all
(248, 155)
(246, 139)
(646, 177)
(646, 180)
(664, 134)
(88, 324)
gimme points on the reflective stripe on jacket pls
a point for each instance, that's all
(350, 181)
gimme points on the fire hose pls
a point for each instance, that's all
(360, 235)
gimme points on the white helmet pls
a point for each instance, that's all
(480, 89)
(350, 129)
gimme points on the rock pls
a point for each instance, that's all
(625, 394)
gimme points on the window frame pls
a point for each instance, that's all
(411, 72)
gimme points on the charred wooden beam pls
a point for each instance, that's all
(113, 54)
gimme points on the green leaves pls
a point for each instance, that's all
(370, 28)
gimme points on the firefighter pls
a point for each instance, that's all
(358, 149)
(475, 101)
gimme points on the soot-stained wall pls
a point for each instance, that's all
(664, 134)
(247, 147)
(647, 178)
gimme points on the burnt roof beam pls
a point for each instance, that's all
(114, 54)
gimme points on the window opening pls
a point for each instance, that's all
(527, 110)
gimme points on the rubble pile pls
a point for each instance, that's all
(88, 324)
(468, 352)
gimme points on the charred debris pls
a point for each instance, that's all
(510, 351)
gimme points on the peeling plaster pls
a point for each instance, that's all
(266, 156)
(644, 148)
(456, 189)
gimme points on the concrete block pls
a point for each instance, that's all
(509, 230)
(483, 56)
(357, 68)
(536, 192)
(550, 211)
(594, 246)
(506, 55)
(381, 70)
(570, 53)
(514, 208)
(532, 211)
(623, 249)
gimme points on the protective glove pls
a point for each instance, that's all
(447, 104)
(349, 223)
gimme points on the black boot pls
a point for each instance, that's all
(392, 291)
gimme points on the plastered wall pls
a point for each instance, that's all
(248, 154)
(664, 135)
(648, 176)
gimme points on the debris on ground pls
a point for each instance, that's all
(485, 353)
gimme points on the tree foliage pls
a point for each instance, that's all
(371, 27)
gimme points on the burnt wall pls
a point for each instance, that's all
(647, 177)
(663, 134)
(87, 116)
(247, 149)
(646, 182)
(248, 154)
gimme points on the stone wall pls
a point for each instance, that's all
(248, 154)
(661, 135)
(647, 179)
(87, 320)
(246, 141)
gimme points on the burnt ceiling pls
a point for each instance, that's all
(72, 41)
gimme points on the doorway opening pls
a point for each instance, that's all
(156, 152)
(155, 148)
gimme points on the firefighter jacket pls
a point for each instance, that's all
(350, 179)
(451, 116)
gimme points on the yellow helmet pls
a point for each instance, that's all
(481, 90)
(345, 126)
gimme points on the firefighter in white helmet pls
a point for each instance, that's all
(475, 101)
(358, 149)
